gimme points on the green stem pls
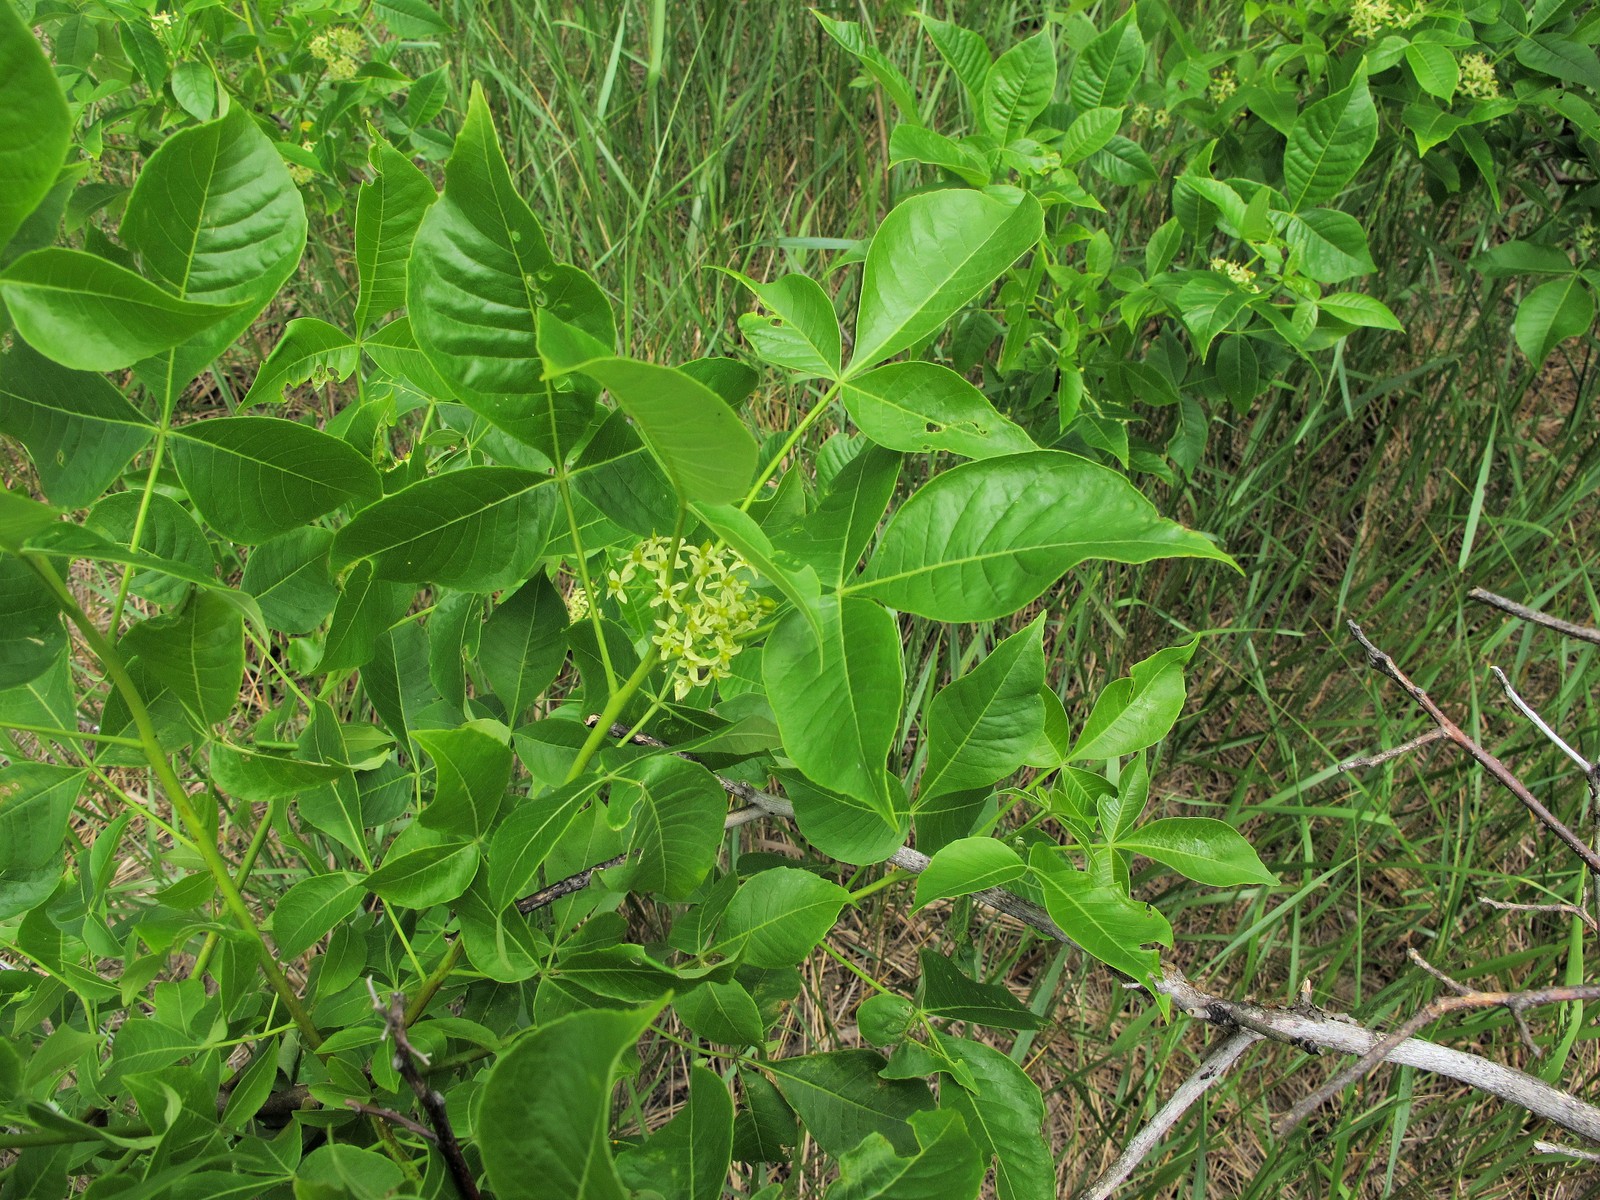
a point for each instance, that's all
(177, 797)
(578, 557)
(73, 735)
(68, 1137)
(138, 528)
(789, 444)
(251, 853)
(435, 980)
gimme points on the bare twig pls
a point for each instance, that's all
(1364, 761)
(1301, 1025)
(1489, 762)
(1571, 910)
(1517, 1003)
(393, 1118)
(1584, 633)
(565, 887)
(1570, 1151)
(1216, 1064)
(1591, 771)
(407, 1061)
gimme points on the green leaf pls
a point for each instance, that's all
(913, 143)
(1018, 86)
(365, 608)
(798, 582)
(197, 653)
(618, 475)
(677, 823)
(428, 875)
(480, 274)
(525, 837)
(1552, 313)
(1206, 850)
(215, 217)
(1119, 809)
(1435, 67)
(1107, 68)
(253, 478)
(1208, 304)
(831, 538)
(78, 429)
(945, 1166)
(1005, 1116)
(308, 348)
(1103, 920)
(472, 769)
(837, 701)
(478, 529)
(922, 408)
(171, 536)
(700, 442)
(32, 639)
(1137, 710)
(1328, 144)
(1560, 57)
(255, 776)
(983, 539)
(968, 865)
(842, 1099)
(524, 644)
(90, 314)
(931, 256)
(802, 333)
(688, 1158)
(844, 827)
(500, 942)
(945, 992)
(1331, 245)
(965, 51)
(194, 86)
(1089, 133)
(849, 35)
(37, 128)
(289, 577)
(544, 1121)
(778, 916)
(388, 211)
(307, 911)
(981, 727)
(36, 800)
(1521, 258)
(722, 1013)
(1357, 308)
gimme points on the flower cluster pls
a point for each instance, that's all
(1151, 118)
(1224, 83)
(1242, 275)
(1587, 237)
(1368, 18)
(340, 50)
(1478, 78)
(706, 606)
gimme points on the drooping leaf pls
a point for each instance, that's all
(1206, 850)
(1005, 1117)
(388, 211)
(1137, 710)
(982, 727)
(846, 828)
(700, 442)
(37, 128)
(397, 682)
(36, 800)
(169, 534)
(472, 768)
(1328, 144)
(78, 429)
(677, 823)
(931, 256)
(946, 992)
(1100, 918)
(546, 1113)
(307, 911)
(90, 314)
(831, 538)
(778, 916)
(477, 529)
(721, 1012)
(922, 408)
(198, 653)
(365, 608)
(261, 777)
(253, 478)
(851, 36)
(1331, 245)
(1550, 314)
(838, 701)
(289, 577)
(427, 875)
(984, 538)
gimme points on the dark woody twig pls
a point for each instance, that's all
(407, 1061)
(1487, 761)
(1571, 910)
(393, 1118)
(1584, 633)
(1364, 761)
(565, 887)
